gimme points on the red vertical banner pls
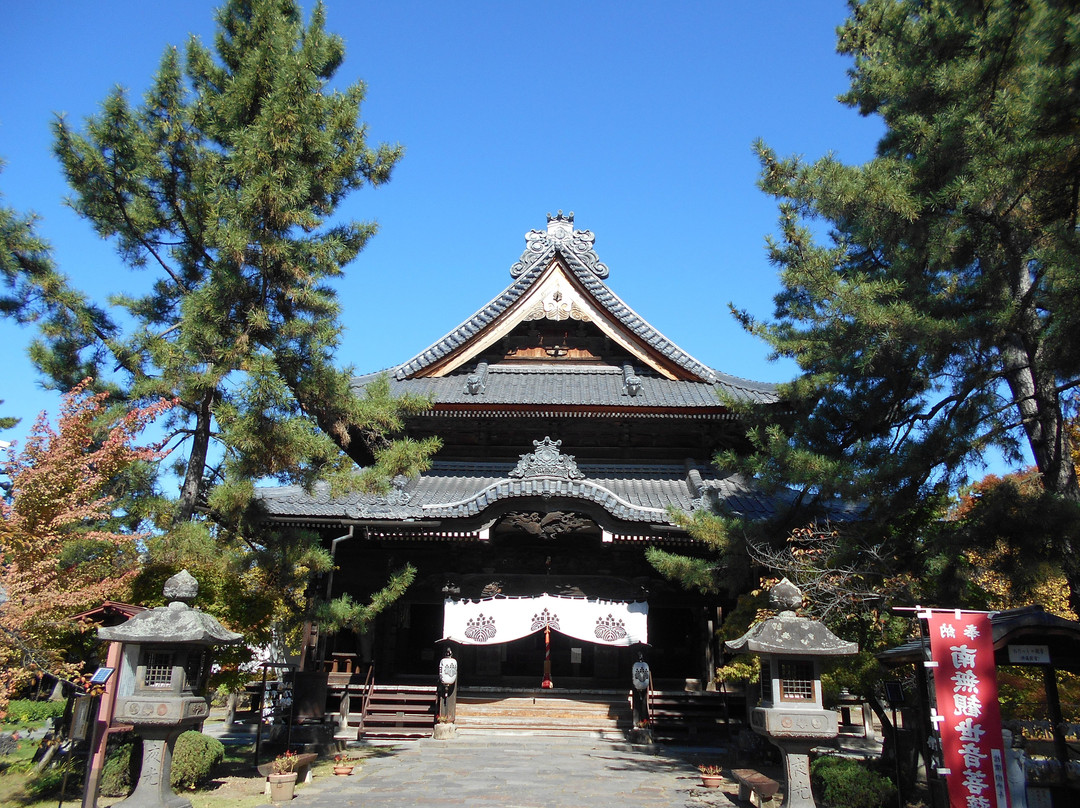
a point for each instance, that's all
(968, 717)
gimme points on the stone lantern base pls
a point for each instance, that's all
(153, 789)
(795, 733)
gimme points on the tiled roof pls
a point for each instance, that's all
(452, 490)
(576, 385)
(575, 249)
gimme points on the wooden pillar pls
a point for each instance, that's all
(711, 617)
(546, 681)
(99, 740)
(1053, 704)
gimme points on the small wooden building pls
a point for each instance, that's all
(571, 428)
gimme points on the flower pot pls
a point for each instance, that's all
(342, 769)
(712, 780)
(282, 786)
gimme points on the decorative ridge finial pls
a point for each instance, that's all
(559, 226)
(560, 235)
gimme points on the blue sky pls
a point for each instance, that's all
(639, 117)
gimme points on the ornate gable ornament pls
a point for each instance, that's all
(558, 306)
(547, 461)
(560, 234)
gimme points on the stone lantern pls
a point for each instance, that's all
(791, 714)
(163, 682)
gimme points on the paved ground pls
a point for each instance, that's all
(487, 771)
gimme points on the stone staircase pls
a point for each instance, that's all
(398, 712)
(588, 713)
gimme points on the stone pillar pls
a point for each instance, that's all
(797, 770)
(153, 789)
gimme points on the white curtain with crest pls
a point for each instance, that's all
(499, 619)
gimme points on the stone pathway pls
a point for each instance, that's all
(479, 771)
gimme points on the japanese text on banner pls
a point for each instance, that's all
(968, 714)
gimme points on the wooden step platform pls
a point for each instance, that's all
(695, 716)
(597, 713)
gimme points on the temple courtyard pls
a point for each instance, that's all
(521, 772)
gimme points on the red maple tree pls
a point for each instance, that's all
(57, 554)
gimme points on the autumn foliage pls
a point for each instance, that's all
(1013, 535)
(58, 553)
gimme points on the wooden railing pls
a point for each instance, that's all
(345, 705)
(369, 686)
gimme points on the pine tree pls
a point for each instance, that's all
(7, 421)
(223, 184)
(942, 317)
(930, 296)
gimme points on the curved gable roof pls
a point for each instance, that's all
(562, 249)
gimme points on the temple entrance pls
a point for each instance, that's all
(575, 664)
(545, 641)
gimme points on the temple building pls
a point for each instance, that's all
(571, 429)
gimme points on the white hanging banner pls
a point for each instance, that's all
(495, 620)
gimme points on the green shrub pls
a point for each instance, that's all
(194, 759)
(121, 769)
(47, 784)
(845, 783)
(28, 711)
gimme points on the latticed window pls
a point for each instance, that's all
(193, 671)
(159, 668)
(796, 680)
(766, 680)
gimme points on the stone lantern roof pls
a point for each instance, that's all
(176, 623)
(789, 634)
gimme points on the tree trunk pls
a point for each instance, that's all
(196, 465)
(1034, 391)
(1043, 422)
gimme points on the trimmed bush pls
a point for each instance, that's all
(121, 769)
(194, 759)
(844, 783)
(28, 711)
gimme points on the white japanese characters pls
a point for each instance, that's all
(965, 684)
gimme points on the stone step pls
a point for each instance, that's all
(526, 706)
(596, 714)
(561, 727)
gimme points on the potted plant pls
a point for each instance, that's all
(282, 778)
(343, 764)
(711, 776)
